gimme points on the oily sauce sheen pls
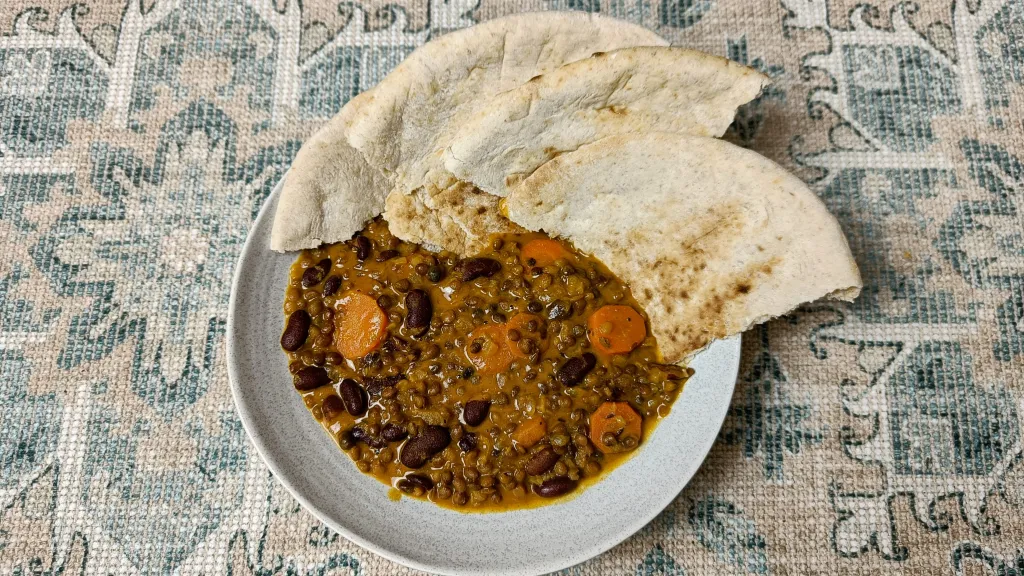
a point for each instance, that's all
(482, 384)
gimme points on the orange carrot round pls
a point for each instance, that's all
(615, 427)
(494, 355)
(519, 323)
(360, 325)
(616, 329)
(530, 432)
(541, 252)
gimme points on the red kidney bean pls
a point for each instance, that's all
(467, 442)
(311, 277)
(472, 268)
(424, 446)
(417, 480)
(475, 412)
(311, 378)
(542, 462)
(556, 486)
(332, 406)
(331, 285)
(315, 274)
(393, 432)
(354, 397)
(418, 310)
(375, 384)
(296, 331)
(386, 255)
(575, 369)
(361, 435)
(363, 247)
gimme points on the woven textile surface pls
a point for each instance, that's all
(139, 139)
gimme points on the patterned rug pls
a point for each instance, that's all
(139, 139)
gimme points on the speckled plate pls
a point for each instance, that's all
(419, 534)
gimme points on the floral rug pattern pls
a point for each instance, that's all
(139, 138)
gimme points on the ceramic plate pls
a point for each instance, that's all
(417, 533)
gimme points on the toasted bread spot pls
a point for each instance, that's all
(552, 152)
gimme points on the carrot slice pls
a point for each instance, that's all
(541, 252)
(494, 355)
(615, 427)
(530, 432)
(519, 323)
(360, 325)
(616, 329)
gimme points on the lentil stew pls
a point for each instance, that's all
(487, 383)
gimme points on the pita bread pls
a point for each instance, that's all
(394, 135)
(711, 238)
(463, 222)
(415, 111)
(330, 192)
(628, 90)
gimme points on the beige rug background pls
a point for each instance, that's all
(137, 141)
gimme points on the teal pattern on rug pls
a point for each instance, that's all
(138, 141)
